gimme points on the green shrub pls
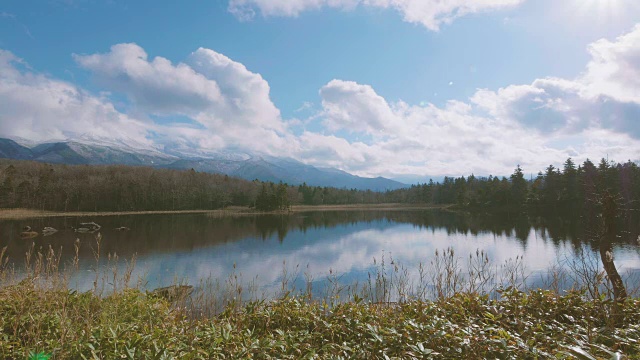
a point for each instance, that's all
(133, 325)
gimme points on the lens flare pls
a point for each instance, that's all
(604, 10)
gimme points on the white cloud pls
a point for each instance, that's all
(429, 13)
(307, 105)
(606, 96)
(39, 108)
(532, 125)
(408, 139)
(245, 9)
(458, 140)
(334, 151)
(232, 103)
(156, 86)
(548, 105)
(615, 68)
(246, 94)
(354, 107)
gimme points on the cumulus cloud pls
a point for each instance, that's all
(548, 105)
(429, 13)
(39, 108)
(615, 68)
(229, 101)
(246, 94)
(462, 138)
(532, 125)
(334, 151)
(606, 96)
(209, 87)
(156, 86)
(354, 107)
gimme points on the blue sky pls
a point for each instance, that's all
(374, 87)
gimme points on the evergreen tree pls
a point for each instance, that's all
(518, 187)
(570, 182)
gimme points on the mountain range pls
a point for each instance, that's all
(241, 165)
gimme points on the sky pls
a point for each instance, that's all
(407, 89)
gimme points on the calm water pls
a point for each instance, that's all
(193, 247)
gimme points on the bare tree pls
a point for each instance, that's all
(609, 212)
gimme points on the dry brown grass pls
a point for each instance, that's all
(13, 214)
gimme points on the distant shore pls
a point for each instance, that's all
(14, 214)
(301, 208)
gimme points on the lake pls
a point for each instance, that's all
(262, 251)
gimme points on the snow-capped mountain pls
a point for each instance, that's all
(92, 151)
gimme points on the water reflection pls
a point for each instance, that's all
(192, 247)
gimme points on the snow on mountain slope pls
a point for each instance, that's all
(94, 151)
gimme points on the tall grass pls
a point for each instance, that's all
(451, 306)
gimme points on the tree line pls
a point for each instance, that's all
(27, 184)
(572, 186)
(58, 187)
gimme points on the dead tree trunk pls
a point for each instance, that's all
(609, 212)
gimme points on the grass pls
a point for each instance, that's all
(134, 325)
(475, 311)
(16, 214)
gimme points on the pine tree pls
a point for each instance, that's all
(518, 187)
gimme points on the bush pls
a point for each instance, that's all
(134, 325)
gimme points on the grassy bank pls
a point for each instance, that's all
(135, 325)
(16, 214)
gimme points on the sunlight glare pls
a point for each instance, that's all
(602, 10)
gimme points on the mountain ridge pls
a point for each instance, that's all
(241, 165)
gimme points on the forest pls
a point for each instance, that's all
(570, 187)
(34, 185)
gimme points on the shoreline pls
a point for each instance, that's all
(17, 214)
(360, 207)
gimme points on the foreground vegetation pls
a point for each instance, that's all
(453, 311)
(135, 325)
